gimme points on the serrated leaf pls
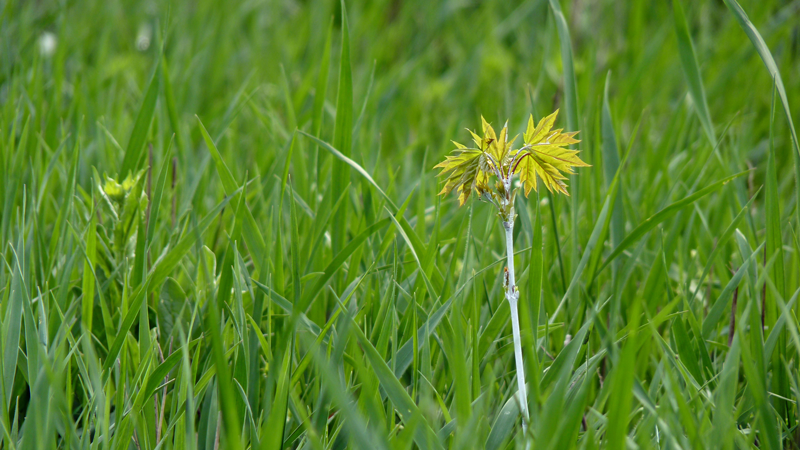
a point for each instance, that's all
(546, 157)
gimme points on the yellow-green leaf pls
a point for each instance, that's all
(546, 156)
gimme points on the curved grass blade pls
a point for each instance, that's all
(322, 83)
(250, 231)
(774, 242)
(503, 424)
(341, 156)
(156, 377)
(663, 215)
(354, 421)
(172, 111)
(431, 290)
(721, 244)
(133, 152)
(565, 358)
(772, 67)
(418, 244)
(571, 99)
(162, 267)
(692, 71)
(397, 393)
(273, 428)
(721, 305)
(158, 193)
(610, 166)
(88, 273)
(342, 134)
(337, 262)
(766, 56)
(599, 230)
(780, 324)
(621, 389)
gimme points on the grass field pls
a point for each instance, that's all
(221, 229)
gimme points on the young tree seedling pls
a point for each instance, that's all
(543, 155)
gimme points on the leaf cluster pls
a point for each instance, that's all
(544, 155)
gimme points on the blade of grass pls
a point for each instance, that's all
(692, 71)
(610, 166)
(571, 100)
(721, 304)
(322, 83)
(663, 215)
(766, 56)
(600, 228)
(88, 274)
(172, 111)
(163, 266)
(250, 230)
(397, 393)
(337, 262)
(273, 428)
(720, 244)
(342, 134)
(416, 241)
(774, 249)
(158, 193)
(134, 154)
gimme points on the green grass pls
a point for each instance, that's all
(281, 273)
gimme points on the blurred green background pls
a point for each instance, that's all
(437, 66)
(86, 84)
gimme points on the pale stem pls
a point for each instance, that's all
(496, 166)
(512, 295)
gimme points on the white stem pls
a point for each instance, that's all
(496, 166)
(512, 295)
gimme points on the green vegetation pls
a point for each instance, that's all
(220, 226)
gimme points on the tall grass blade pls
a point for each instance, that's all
(134, 152)
(692, 71)
(342, 134)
